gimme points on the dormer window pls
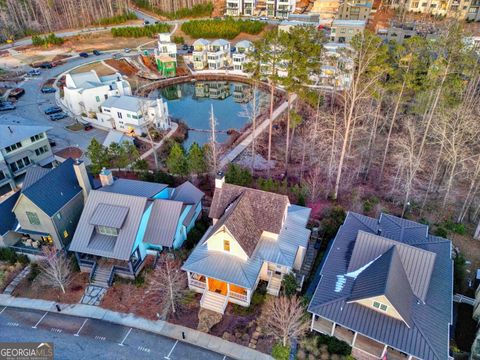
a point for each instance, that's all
(380, 306)
(226, 245)
(106, 230)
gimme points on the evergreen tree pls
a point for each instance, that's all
(176, 161)
(196, 160)
(98, 156)
(238, 175)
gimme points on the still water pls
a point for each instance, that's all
(191, 103)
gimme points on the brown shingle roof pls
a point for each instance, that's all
(247, 213)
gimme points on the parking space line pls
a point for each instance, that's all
(81, 327)
(128, 333)
(39, 321)
(170, 353)
(3, 310)
(224, 357)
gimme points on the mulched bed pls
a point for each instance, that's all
(37, 290)
(8, 273)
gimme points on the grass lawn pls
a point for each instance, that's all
(75, 127)
(100, 68)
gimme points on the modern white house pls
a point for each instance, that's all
(165, 46)
(200, 49)
(256, 235)
(280, 8)
(218, 55)
(337, 67)
(240, 56)
(240, 7)
(132, 114)
(85, 92)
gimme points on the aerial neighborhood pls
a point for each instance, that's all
(240, 179)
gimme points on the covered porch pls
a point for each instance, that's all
(217, 293)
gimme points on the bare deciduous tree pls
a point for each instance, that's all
(55, 269)
(284, 318)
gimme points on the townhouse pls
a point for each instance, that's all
(199, 55)
(218, 54)
(240, 55)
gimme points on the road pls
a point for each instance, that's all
(80, 338)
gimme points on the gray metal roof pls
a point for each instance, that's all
(428, 336)
(13, 133)
(134, 187)
(227, 267)
(33, 174)
(127, 102)
(8, 221)
(109, 215)
(188, 193)
(86, 240)
(163, 222)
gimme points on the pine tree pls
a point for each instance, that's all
(196, 160)
(98, 156)
(176, 161)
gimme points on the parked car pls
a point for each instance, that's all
(52, 142)
(34, 72)
(46, 65)
(58, 116)
(87, 127)
(83, 54)
(233, 49)
(7, 105)
(146, 22)
(264, 18)
(127, 50)
(53, 110)
(48, 90)
(117, 56)
(185, 47)
(157, 22)
(96, 52)
(17, 92)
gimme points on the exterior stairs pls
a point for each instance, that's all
(101, 276)
(213, 301)
(274, 285)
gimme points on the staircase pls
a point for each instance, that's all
(213, 301)
(309, 259)
(274, 285)
(101, 276)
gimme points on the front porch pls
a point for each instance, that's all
(216, 293)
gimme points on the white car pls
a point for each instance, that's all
(127, 50)
(264, 18)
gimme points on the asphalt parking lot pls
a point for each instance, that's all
(81, 338)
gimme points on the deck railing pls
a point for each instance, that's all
(238, 296)
(198, 284)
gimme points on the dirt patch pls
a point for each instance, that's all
(101, 41)
(122, 66)
(70, 152)
(100, 68)
(37, 290)
(469, 248)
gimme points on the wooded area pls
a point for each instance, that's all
(20, 18)
(169, 6)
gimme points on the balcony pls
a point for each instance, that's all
(321, 325)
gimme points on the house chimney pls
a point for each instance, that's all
(10, 129)
(82, 178)
(219, 180)
(106, 177)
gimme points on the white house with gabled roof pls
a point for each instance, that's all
(199, 56)
(240, 56)
(165, 46)
(85, 92)
(218, 55)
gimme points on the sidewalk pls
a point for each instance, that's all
(160, 327)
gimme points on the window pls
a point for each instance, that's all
(33, 218)
(13, 147)
(106, 230)
(59, 216)
(20, 164)
(380, 306)
(41, 150)
(2, 175)
(37, 137)
(97, 98)
(128, 115)
(65, 234)
(119, 114)
(226, 245)
(106, 96)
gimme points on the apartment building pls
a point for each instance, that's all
(240, 55)
(344, 30)
(21, 146)
(280, 8)
(354, 10)
(451, 8)
(240, 7)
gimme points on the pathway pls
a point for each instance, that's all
(459, 298)
(157, 146)
(93, 295)
(11, 287)
(237, 150)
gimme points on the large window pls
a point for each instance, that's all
(41, 150)
(20, 164)
(33, 218)
(13, 147)
(36, 137)
(2, 175)
(380, 306)
(106, 230)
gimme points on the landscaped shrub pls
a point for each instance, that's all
(119, 19)
(335, 346)
(50, 39)
(369, 204)
(221, 28)
(7, 254)
(178, 39)
(238, 176)
(334, 217)
(136, 32)
(34, 271)
(280, 352)
(289, 284)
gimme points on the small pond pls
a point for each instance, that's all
(191, 103)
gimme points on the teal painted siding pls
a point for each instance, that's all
(198, 209)
(162, 194)
(141, 233)
(181, 233)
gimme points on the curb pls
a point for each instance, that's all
(160, 327)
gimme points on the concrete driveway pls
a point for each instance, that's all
(81, 338)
